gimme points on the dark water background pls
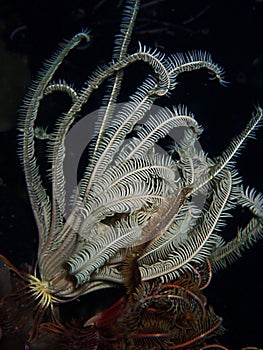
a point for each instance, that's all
(230, 30)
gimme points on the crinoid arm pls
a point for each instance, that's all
(247, 236)
(37, 194)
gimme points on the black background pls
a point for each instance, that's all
(230, 30)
